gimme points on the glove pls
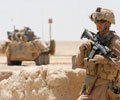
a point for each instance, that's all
(99, 59)
(86, 45)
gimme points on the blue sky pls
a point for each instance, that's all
(70, 17)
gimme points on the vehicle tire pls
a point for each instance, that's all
(39, 60)
(52, 47)
(9, 62)
(46, 59)
(17, 63)
(42, 59)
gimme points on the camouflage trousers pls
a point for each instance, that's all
(98, 93)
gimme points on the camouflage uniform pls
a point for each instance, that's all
(100, 71)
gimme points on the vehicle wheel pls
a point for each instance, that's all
(9, 62)
(42, 59)
(46, 59)
(39, 60)
(52, 47)
(17, 62)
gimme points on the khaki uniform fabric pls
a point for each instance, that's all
(99, 93)
(99, 71)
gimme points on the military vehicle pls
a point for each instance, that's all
(24, 45)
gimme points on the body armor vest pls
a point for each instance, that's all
(104, 71)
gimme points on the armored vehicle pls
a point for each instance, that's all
(24, 45)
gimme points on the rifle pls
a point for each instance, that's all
(104, 50)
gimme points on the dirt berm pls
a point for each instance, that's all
(41, 83)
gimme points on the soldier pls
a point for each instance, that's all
(100, 71)
(29, 34)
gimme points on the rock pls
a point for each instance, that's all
(41, 83)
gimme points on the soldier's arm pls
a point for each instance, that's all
(84, 46)
(115, 46)
(80, 59)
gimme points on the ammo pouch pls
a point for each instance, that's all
(113, 92)
(91, 68)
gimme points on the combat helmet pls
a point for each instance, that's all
(103, 14)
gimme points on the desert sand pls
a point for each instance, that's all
(56, 81)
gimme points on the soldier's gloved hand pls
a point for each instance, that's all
(99, 59)
(86, 45)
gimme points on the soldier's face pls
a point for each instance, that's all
(101, 26)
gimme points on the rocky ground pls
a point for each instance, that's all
(56, 81)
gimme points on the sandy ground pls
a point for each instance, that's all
(62, 57)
